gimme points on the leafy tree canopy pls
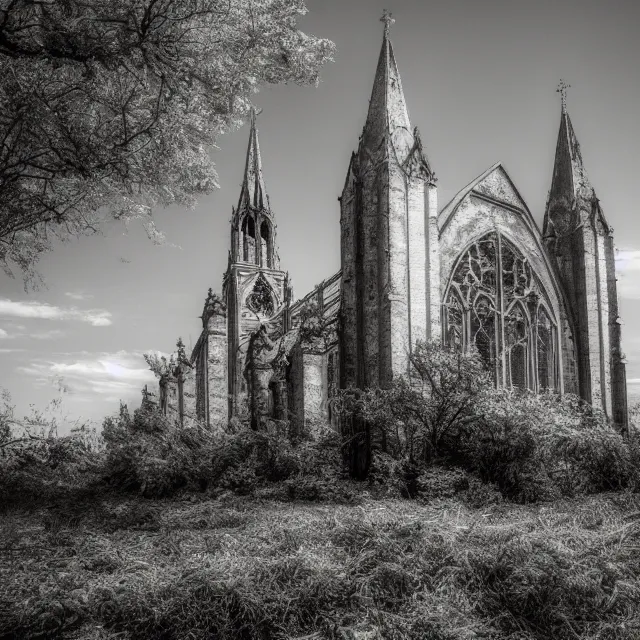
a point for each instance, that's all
(110, 107)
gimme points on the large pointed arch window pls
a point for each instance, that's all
(495, 304)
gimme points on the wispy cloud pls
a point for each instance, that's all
(103, 376)
(628, 269)
(78, 295)
(45, 311)
(47, 335)
(34, 335)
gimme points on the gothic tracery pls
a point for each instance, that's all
(495, 303)
(260, 300)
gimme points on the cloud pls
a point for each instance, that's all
(36, 335)
(101, 376)
(627, 260)
(628, 271)
(78, 295)
(47, 335)
(45, 311)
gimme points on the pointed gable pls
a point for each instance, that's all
(253, 193)
(494, 185)
(498, 186)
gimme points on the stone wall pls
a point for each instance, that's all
(189, 396)
(216, 363)
(315, 391)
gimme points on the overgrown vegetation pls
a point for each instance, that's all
(532, 447)
(154, 531)
(242, 567)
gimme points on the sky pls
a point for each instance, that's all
(480, 81)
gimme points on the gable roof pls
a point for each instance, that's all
(509, 198)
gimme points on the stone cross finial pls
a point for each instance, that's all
(562, 90)
(388, 21)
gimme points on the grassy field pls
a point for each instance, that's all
(255, 567)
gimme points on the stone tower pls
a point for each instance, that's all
(254, 286)
(389, 239)
(578, 236)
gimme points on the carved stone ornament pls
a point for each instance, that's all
(214, 305)
(260, 300)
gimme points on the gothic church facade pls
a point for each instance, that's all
(541, 307)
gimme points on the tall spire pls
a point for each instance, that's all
(387, 107)
(254, 192)
(569, 179)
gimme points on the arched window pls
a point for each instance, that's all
(265, 245)
(546, 351)
(483, 329)
(249, 239)
(454, 312)
(517, 346)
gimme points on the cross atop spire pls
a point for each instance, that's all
(388, 21)
(562, 90)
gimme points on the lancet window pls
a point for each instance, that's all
(265, 245)
(496, 304)
(257, 241)
(249, 239)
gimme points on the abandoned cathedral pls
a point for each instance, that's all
(541, 307)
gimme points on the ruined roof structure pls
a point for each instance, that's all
(541, 308)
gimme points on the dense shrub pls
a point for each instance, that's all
(411, 420)
(532, 447)
(149, 454)
(538, 447)
(38, 465)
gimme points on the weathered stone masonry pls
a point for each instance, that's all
(541, 308)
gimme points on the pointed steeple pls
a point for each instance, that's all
(387, 107)
(570, 179)
(254, 192)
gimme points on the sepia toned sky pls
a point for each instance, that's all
(479, 79)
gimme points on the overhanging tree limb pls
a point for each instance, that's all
(113, 104)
